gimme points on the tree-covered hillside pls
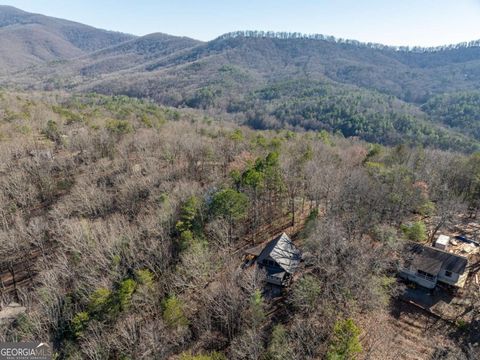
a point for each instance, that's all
(133, 219)
(28, 39)
(369, 91)
(304, 104)
(460, 111)
(412, 76)
(141, 179)
(379, 93)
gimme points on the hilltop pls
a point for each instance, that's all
(29, 39)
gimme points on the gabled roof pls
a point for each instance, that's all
(283, 252)
(432, 260)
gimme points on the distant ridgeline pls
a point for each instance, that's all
(333, 39)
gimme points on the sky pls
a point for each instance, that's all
(389, 22)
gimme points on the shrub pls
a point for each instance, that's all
(119, 127)
(24, 129)
(279, 348)
(173, 313)
(257, 307)
(25, 324)
(345, 343)
(100, 301)
(203, 98)
(145, 278)
(427, 208)
(146, 120)
(462, 324)
(237, 135)
(290, 135)
(373, 150)
(105, 304)
(313, 215)
(186, 239)
(385, 287)
(188, 223)
(306, 292)
(69, 116)
(212, 356)
(416, 231)
(79, 323)
(325, 137)
(386, 234)
(51, 131)
(188, 213)
(125, 292)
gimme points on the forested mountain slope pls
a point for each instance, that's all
(267, 80)
(410, 76)
(30, 39)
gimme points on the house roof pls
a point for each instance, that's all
(255, 251)
(284, 252)
(432, 260)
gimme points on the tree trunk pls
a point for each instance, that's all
(435, 230)
(292, 209)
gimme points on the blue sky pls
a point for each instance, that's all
(391, 22)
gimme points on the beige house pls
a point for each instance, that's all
(428, 266)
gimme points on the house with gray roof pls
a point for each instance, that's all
(279, 257)
(428, 266)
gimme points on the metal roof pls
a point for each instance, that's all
(283, 252)
(432, 260)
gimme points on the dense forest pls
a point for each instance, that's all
(371, 116)
(458, 110)
(137, 216)
(138, 173)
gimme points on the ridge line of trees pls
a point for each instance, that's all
(297, 35)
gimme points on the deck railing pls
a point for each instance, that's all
(425, 277)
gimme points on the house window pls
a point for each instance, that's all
(425, 275)
(270, 263)
(448, 273)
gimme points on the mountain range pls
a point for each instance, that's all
(425, 96)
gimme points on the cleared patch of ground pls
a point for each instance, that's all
(407, 332)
